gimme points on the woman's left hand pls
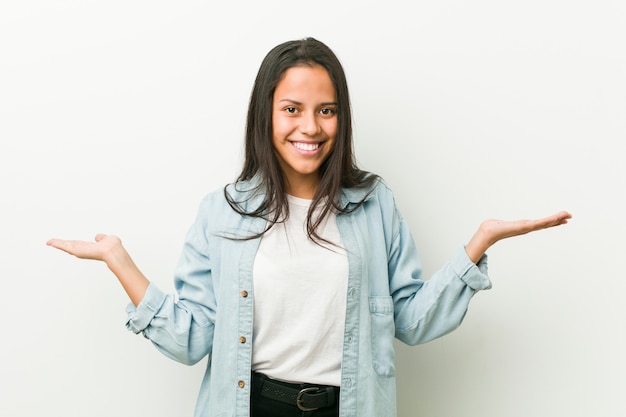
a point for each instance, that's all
(492, 231)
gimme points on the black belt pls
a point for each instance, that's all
(307, 397)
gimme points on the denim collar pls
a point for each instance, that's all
(251, 194)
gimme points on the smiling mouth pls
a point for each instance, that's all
(306, 146)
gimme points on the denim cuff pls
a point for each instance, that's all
(474, 275)
(140, 317)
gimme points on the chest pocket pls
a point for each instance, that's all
(383, 330)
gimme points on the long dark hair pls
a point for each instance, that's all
(338, 171)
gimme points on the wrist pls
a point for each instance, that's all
(477, 246)
(116, 257)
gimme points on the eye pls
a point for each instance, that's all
(326, 111)
(291, 110)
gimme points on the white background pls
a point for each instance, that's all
(118, 116)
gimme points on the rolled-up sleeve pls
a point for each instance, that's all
(474, 275)
(140, 317)
(427, 309)
(181, 325)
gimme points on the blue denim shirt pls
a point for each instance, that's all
(212, 312)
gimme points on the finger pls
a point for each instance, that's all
(562, 215)
(64, 245)
(561, 218)
(565, 216)
(55, 243)
(555, 220)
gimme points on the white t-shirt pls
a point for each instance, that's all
(300, 301)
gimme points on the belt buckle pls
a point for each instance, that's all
(299, 399)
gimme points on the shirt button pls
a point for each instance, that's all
(244, 293)
(241, 384)
(242, 339)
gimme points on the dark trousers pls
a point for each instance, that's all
(263, 406)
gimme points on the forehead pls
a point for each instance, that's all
(306, 82)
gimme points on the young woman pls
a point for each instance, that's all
(296, 278)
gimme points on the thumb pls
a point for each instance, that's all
(100, 236)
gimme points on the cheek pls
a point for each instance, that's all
(331, 129)
(279, 127)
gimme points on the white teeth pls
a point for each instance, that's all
(306, 146)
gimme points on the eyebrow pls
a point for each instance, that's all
(330, 103)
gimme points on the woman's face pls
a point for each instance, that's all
(304, 119)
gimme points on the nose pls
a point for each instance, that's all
(309, 125)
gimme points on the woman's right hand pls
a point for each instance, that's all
(109, 249)
(104, 248)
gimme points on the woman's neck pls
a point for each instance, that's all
(305, 190)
